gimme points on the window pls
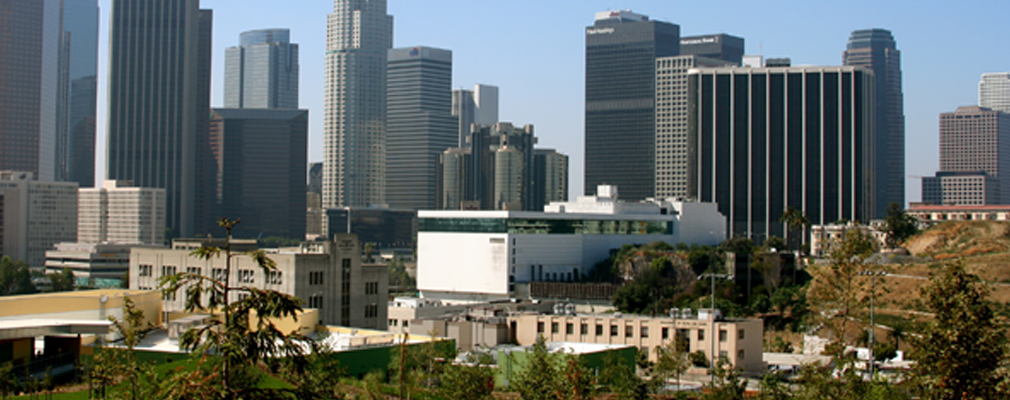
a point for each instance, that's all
(584, 329)
(701, 334)
(554, 327)
(540, 326)
(599, 330)
(723, 336)
(274, 278)
(193, 270)
(569, 328)
(391, 322)
(218, 274)
(666, 333)
(145, 270)
(316, 278)
(613, 330)
(739, 354)
(371, 310)
(629, 331)
(316, 301)
(645, 332)
(406, 323)
(371, 287)
(739, 335)
(723, 355)
(167, 270)
(246, 276)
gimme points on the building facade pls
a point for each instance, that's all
(327, 275)
(876, 50)
(764, 139)
(159, 106)
(620, 135)
(101, 265)
(671, 121)
(721, 46)
(262, 71)
(384, 227)
(354, 122)
(931, 214)
(48, 88)
(994, 91)
(975, 139)
(477, 106)
(34, 216)
(961, 188)
(482, 255)
(419, 124)
(260, 157)
(121, 213)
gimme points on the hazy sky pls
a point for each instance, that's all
(534, 51)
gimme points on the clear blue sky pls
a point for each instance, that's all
(534, 52)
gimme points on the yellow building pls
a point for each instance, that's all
(737, 340)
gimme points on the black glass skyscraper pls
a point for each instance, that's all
(621, 52)
(764, 139)
(876, 50)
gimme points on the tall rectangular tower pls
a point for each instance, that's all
(876, 50)
(765, 139)
(419, 123)
(621, 52)
(359, 32)
(994, 91)
(48, 56)
(262, 71)
(159, 97)
(977, 139)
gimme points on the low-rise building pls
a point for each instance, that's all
(929, 214)
(328, 276)
(119, 212)
(93, 264)
(822, 236)
(480, 256)
(739, 341)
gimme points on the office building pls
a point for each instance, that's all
(121, 213)
(262, 71)
(354, 122)
(477, 106)
(961, 188)
(385, 228)
(501, 170)
(482, 255)
(876, 50)
(671, 121)
(260, 158)
(327, 275)
(316, 178)
(974, 158)
(34, 216)
(159, 106)
(419, 123)
(101, 265)
(720, 47)
(764, 139)
(994, 91)
(620, 123)
(48, 88)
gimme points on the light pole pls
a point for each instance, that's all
(711, 317)
(873, 281)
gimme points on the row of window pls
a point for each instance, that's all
(629, 331)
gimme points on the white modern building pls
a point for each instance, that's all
(994, 91)
(327, 275)
(34, 216)
(119, 212)
(94, 264)
(472, 256)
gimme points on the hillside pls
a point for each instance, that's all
(957, 239)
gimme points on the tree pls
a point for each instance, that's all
(726, 383)
(63, 281)
(369, 251)
(539, 377)
(471, 380)
(15, 277)
(619, 378)
(240, 332)
(8, 381)
(836, 292)
(898, 225)
(672, 359)
(961, 350)
(795, 220)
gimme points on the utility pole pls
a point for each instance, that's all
(873, 281)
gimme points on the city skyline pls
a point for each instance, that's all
(554, 74)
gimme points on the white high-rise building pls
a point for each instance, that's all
(34, 216)
(359, 32)
(121, 213)
(994, 91)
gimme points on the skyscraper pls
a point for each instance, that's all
(419, 123)
(354, 133)
(719, 46)
(975, 143)
(49, 59)
(477, 106)
(159, 105)
(620, 141)
(262, 71)
(876, 50)
(764, 139)
(994, 91)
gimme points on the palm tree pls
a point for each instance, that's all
(795, 220)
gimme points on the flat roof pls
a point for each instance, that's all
(95, 294)
(26, 328)
(997, 207)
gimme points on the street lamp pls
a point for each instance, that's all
(873, 281)
(711, 317)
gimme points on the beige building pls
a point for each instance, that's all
(738, 340)
(34, 216)
(822, 236)
(327, 275)
(120, 213)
